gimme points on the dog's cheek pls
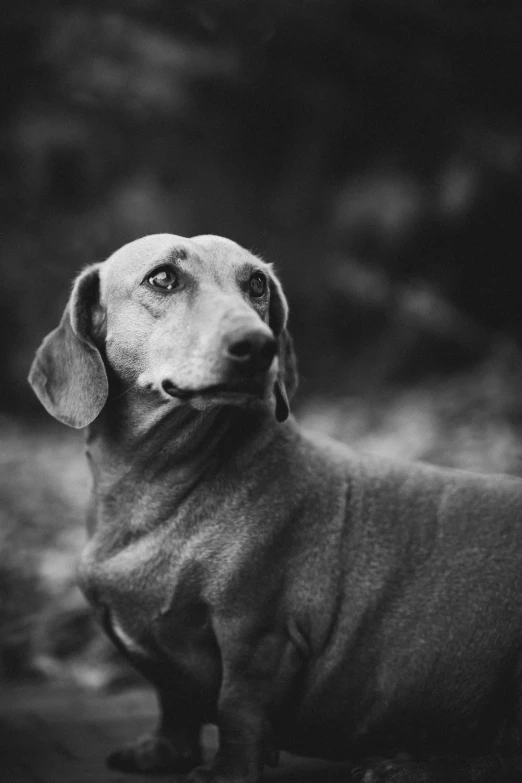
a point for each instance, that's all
(127, 347)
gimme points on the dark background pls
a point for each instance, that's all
(372, 150)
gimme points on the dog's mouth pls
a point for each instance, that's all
(248, 388)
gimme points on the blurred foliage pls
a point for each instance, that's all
(46, 627)
(372, 149)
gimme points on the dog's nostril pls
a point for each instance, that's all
(243, 349)
(268, 350)
(253, 353)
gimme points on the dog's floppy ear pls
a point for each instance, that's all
(287, 378)
(68, 374)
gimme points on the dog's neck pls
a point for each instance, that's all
(133, 442)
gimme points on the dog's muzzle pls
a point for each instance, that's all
(247, 360)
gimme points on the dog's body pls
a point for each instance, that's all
(299, 595)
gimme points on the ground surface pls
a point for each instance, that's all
(62, 735)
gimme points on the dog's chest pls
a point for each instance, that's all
(148, 597)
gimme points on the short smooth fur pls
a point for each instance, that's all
(299, 595)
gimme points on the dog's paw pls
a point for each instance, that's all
(151, 754)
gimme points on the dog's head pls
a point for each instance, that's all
(197, 322)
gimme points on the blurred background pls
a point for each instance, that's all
(371, 149)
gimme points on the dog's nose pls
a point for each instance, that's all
(253, 352)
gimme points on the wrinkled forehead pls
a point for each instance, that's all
(211, 257)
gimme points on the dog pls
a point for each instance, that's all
(273, 582)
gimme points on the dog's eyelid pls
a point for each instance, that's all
(251, 272)
(158, 267)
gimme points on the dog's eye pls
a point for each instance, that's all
(257, 285)
(164, 277)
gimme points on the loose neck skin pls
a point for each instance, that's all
(136, 440)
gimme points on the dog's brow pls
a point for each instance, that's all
(177, 254)
(249, 268)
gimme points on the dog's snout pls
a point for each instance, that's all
(253, 351)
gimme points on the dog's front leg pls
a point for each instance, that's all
(246, 695)
(245, 743)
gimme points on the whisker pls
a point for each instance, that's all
(134, 386)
